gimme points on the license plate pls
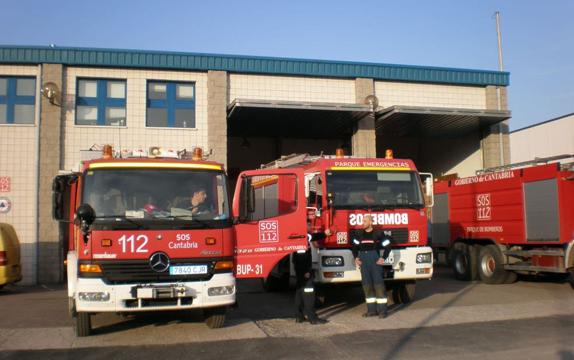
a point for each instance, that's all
(188, 270)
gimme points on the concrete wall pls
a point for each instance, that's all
(430, 95)
(495, 140)
(364, 140)
(547, 139)
(290, 88)
(18, 162)
(51, 256)
(135, 135)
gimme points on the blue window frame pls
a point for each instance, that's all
(17, 100)
(170, 104)
(101, 102)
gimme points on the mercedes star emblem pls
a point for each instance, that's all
(159, 262)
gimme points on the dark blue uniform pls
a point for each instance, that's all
(367, 247)
(305, 288)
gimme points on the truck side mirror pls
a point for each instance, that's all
(86, 214)
(428, 182)
(61, 196)
(58, 190)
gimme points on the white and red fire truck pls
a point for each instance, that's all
(134, 242)
(338, 191)
(507, 221)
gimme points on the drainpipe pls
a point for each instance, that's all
(500, 68)
(37, 162)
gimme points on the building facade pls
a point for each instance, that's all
(243, 111)
(554, 137)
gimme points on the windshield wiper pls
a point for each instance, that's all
(122, 217)
(205, 223)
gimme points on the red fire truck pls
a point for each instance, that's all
(337, 191)
(500, 223)
(135, 242)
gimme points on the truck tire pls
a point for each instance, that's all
(511, 277)
(72, 307)
(83, 324)
(571, 278)
(215, 317)
(491, 266)
(464, 261)
(407, 291)
(276, 284)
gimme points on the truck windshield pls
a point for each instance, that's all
(374, 189)
(156, 194)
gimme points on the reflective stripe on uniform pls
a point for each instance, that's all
(301, 251)
(308, 290)
(382, 301)
(370, 300)
(356, 242)
(367, 241)
(386, 242)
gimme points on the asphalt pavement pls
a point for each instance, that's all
(533, 318)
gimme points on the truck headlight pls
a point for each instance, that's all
(333, 261)
(424, 258)
(221, 290)
(94, 296)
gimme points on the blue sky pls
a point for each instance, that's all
(538, 36)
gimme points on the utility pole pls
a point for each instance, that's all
(499, 101)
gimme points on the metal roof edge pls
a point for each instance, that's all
(543, 122)
(248, 64)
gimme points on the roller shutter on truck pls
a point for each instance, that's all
(440, 221)
(541, 210)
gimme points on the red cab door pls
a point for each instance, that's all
(270, 211)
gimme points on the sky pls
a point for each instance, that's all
(537, 36)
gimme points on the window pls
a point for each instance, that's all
(101, 102)
(268, 196)
(170, 104)
(17, 100)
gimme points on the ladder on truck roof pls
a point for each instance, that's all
(536, 161)
(294, 159)
(286, 161)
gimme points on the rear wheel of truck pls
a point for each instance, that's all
(491, 266)
(215, 317)
(464, 262)
(83, 324)
(571, 278)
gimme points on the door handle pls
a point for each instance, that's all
(297, 236)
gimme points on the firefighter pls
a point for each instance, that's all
(366, 250)
(305, 288)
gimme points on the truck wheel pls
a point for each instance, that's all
(571, 278)
(511, 277)
(215, 317)
(276, 284)
(490, 265)
(72, 307)
(464, 262)
(407, 291)
(83, 324)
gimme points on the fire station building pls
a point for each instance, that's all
(242, 110)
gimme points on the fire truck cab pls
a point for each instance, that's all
(146, 233)
(326, 198)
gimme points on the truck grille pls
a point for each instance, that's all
(399, 235)
(139, 271)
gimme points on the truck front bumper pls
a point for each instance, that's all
(93, 295)
(404, 265)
